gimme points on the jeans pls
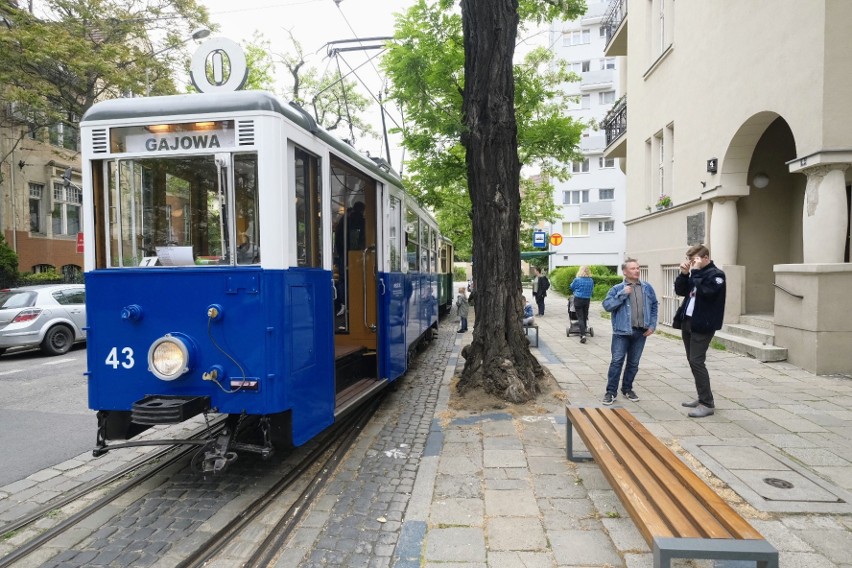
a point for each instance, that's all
(462, 324)
(539, 300)
(627, 347)
(581, 306)
(696, 345)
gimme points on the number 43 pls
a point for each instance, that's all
(113, 358)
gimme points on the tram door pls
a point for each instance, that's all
(354, 207)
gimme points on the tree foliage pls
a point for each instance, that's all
(58, 63)
(426, 66)
(330, 96)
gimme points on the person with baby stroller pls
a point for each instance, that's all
(578, 304)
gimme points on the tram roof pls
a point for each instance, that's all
(236, 101)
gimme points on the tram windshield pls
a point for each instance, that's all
(179, 211)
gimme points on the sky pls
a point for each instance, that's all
(314, 23)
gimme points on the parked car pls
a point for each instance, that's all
(50, 316)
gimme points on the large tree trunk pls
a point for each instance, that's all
(499, 359)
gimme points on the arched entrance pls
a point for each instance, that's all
(769, 212)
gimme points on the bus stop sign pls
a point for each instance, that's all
(539, 239)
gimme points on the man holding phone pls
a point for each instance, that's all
(702, 286)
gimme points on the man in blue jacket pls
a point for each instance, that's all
(702, 286)
(633, 305)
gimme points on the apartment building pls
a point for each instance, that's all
(739, 113)
(591, 203)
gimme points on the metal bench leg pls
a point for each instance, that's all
(569, 445)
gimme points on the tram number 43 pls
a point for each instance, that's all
(123, 358)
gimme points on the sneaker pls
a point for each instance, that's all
(608, 398)
(631, 395)
(342, 310)
(583, 339)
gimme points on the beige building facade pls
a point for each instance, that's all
(40, 215)
(741, 114)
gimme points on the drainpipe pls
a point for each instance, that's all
(12, 195)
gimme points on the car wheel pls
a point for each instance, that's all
(58, 340)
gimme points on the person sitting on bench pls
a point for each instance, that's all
(529, 319)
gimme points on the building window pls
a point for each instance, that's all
(606, 162)
(575, 229)
(72, 274)
(36, 209)
(63, 135)
(580, 66)
(606, 226)
(579, 196)
(602, 31)
(39, 268)
(579, 102)
(606, 194)
(580, 166)
(606, 97)
(67, 203)
(607, 63)
(576, 37)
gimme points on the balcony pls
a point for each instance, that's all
(594, 14)
(590, 144)
(596, 210)
(602, 80)
(615, 127)
(615, 24)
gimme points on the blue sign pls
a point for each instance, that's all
(539, 239)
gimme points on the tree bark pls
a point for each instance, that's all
(499, 359)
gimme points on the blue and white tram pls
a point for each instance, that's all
(241, 260)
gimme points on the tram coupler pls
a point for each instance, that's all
(218, 457)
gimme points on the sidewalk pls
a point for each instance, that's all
(495, 489)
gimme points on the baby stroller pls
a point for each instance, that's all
(574, 327)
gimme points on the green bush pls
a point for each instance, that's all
(8, 264)
(49, 277)
(561, 278)
(459, 274)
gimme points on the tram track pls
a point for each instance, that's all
(167, 458)
(323, 460)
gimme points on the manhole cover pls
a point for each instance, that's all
(779, 483)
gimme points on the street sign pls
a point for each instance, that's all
(80, 243)
(539, 239)
(556, 239)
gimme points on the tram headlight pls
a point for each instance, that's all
(170, 356)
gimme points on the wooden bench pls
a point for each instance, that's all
(527, 329)
(677, 513)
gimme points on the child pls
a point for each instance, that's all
(528, 311)
(462, 307)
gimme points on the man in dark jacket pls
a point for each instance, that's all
(702, 286)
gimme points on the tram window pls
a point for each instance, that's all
(412, 235)
(394, 234)
(424, 247)
(308, 210)
(181, 210)
(246, 204)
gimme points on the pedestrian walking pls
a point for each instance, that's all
(633, 305)
(702, 285)
(540, 286)
(582, 286)
(462, 309)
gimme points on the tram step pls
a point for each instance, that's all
(165, 409)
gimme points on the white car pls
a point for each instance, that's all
(50, 316)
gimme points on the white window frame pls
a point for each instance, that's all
(575, 229)
(606, 226)
(580, 166)
(609, 190)
(65, 198)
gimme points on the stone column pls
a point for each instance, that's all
(724, 231)
(825, 214)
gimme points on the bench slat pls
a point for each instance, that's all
(688, 516)
(727, 515)
(637, 504)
